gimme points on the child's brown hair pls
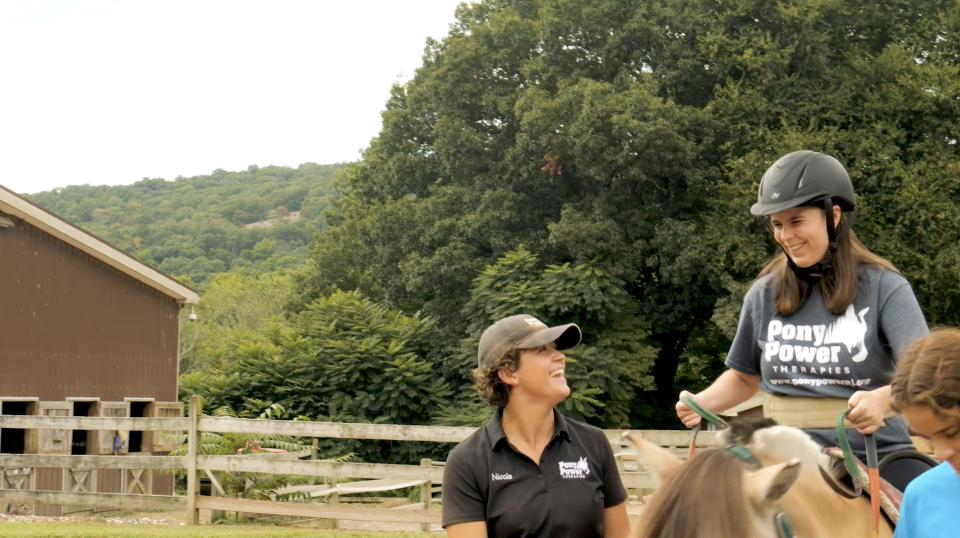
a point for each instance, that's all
(928, 374)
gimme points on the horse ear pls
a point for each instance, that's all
(770, 483)
(658, 460)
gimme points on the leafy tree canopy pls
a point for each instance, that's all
(629, 137)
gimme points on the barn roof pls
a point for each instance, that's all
(13, 204)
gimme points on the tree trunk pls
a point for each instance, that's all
(664, 373)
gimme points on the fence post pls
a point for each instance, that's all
(313, 457)
(426, 494)
(193, 444)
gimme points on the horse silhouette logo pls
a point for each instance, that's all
(850, 329)
(582, 466)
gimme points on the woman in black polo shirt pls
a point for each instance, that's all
(531, 471)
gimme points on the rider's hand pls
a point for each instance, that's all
(686, 415)
(867, 409)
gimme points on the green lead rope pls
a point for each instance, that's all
(704, 414)
(848, 459)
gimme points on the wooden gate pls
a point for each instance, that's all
(49, 441)
(107, 442)
(103, 443)
(57, 442)
(162, 441)
(79, 481)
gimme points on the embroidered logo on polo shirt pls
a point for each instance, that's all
(497, 476)
(574, 469)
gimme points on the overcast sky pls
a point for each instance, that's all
(110, 92)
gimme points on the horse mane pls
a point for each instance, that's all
(677, 510)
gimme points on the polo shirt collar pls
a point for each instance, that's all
(495, 433)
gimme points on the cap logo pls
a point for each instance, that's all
(534, 322)
(775, 195)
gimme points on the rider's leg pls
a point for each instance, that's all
(901, 468)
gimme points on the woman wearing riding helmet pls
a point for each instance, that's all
(825, 319)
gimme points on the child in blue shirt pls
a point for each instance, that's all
(926, 390)
(929, 507)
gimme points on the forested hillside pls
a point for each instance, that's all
(260, 218)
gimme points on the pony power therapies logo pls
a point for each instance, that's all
(816, 349)
(574, 469)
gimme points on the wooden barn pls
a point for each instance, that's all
(85, 330)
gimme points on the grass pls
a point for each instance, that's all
(103, 530)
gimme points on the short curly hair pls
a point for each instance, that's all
(492, 389)
(928, 374)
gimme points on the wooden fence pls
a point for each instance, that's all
(381, 476)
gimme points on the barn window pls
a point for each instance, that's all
(80, 439)
(13, 440)
(137, 408)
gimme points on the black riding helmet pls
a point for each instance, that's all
(805, 178)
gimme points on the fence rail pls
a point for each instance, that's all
(194, 463)
(386, 432)
(92, 462)
(112, 500)
(38, 422)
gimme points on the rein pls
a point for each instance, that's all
(873, 468)
(783, 524)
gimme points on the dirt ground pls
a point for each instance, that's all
(179, 517)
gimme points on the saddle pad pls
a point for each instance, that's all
(890, 497)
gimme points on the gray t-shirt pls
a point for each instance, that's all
(816, 353)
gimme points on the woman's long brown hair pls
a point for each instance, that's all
(838, 286)
(707, 491)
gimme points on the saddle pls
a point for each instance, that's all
(835, 473)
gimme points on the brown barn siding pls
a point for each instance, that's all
(49, 480)
(108, 480)
(72, 326)
(162, 483)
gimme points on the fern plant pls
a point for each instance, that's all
(254, 486)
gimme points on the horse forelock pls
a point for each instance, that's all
(778, 444)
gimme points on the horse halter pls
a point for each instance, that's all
(780, 519)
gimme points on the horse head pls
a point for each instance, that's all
(711, 495)
(719, 494)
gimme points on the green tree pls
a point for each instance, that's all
(631, 137)
(613, 359)
(343, 359)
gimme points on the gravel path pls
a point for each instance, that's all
(73, 519)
